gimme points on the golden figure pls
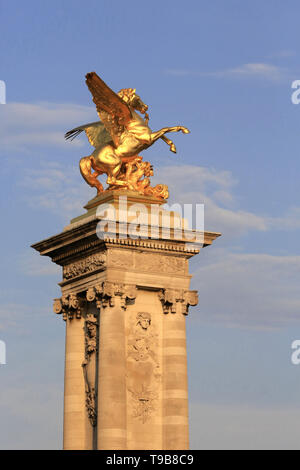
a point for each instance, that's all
(118, 138)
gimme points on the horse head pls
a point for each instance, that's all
(133, 100)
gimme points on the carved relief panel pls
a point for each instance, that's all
(84, 266)
(143, 366)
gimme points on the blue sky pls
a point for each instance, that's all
(223, 69)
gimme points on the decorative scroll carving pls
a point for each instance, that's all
(89, 366)
(68, 306)
(105, 294)
(170, 297)
(143, 367)
(89, 264)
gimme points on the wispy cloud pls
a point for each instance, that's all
(237, 427)
(31, 263)
(250, 70)
(283, 54)
(257, 291)
(217, 191)
(61, 190)
(214, 189)
(42, 124)
(29, 406)
(289, 221)
(16, 315)
(56, 188)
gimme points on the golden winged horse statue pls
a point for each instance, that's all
(118, 138)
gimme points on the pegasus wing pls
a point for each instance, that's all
(95, 131)
(112, 110)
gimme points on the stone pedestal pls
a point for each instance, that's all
(125, 301)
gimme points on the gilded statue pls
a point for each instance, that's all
(118, 138)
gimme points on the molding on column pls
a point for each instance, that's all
(170, 297)
(68, 305)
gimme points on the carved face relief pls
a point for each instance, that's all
(144, 320)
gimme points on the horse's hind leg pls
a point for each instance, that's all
(86, 165)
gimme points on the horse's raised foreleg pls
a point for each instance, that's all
(157, 135)
(170, 143)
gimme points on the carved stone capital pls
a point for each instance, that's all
(191, 298)
(171, 297)
(105, 294)
(68, 305)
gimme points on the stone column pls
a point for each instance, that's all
(175, 305)
(112, 377)
(112, 300)
(77, 429)
(144, 371)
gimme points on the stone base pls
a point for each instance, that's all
(125, 303)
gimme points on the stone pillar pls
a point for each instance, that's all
(144, 372)
(77, 428)
(175, 386)
(125, 301)
(112, 370)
